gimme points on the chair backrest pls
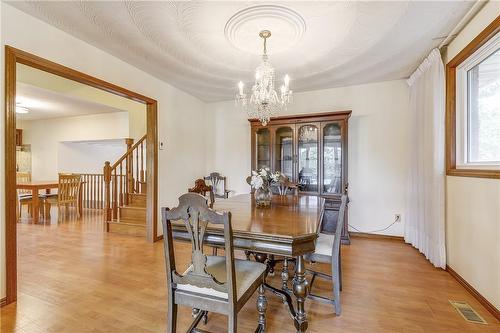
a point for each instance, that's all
(69, 187)
(217, 181)
(202, 188)
(340, 226)
(23, 178)
(196, 216)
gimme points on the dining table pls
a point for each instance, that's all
(288, 228)
(35, 187)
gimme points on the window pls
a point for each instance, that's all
(478, 108)
(474, 110)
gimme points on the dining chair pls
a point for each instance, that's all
(202, 188)
(327, 251)
(220, 284)
(217, 181)
(24, 197)
(67, 194)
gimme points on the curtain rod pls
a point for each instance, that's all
(476, 7)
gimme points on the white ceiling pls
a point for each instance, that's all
(46, 104)
(206, 47)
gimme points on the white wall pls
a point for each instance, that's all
(180, 115)
(473, 204)
(85, 157)
(49, 157)
(378, 147)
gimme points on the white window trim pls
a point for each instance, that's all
(462, 110)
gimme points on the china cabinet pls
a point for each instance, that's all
(311, 150)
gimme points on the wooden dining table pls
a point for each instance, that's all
(35, 187)
(287, 228)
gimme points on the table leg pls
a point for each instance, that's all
(300, 290)
(284, 275)
(35, 203)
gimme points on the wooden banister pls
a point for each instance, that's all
(122, 179)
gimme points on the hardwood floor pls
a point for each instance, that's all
(75, 278)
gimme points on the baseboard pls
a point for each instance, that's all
(484, 302)
(157, 238)
(376, 236)
(3, 302)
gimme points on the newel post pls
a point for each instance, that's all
(107, 192)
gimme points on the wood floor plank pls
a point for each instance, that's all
(74, 277)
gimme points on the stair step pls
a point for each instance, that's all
(137, 200)
(124, 228)
(132, 213)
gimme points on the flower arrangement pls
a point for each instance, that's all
(264, 179)
(261, 181)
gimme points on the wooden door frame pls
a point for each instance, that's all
(14, 56)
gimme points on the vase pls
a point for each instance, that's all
(263, 197)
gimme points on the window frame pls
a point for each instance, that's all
(456, 130)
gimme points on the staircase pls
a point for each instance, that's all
(125, 191)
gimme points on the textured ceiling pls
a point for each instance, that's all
(206, 47)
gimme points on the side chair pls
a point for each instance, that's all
(67, 194)
(202, 188)
(327, 251)
(220, 284)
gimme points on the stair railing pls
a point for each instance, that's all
(124, 177)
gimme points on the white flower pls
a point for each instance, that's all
(256, 182)
(263, 172)
(254, 173)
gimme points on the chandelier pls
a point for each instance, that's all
(264, 100)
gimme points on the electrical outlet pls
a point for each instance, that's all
(397, 217)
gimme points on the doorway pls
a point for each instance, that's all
(14, 57)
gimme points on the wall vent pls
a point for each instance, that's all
(467, 312)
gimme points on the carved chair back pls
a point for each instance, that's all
(23, 178)
(202, 188)
(218, 182)
(69, 188)
(196, 216)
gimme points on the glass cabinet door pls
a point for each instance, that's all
(308, 144)
(283, 151)
(263, 141)
(332, 159)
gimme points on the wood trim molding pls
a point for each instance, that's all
(451, 164)
(480, 298)
(376, 236)
(14, 56)
(303, 118)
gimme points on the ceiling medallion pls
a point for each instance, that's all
(264, 101)
(284, 22)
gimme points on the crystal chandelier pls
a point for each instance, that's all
(264, 100)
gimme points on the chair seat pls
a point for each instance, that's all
(323, 249)
(247, 272)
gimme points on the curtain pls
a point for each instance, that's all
(425, 218)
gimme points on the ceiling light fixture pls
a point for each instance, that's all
(22, 109)
(264, 101)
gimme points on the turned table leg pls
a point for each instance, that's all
(284, 275)
(300, 290)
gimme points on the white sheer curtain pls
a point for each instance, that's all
(425, 218)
